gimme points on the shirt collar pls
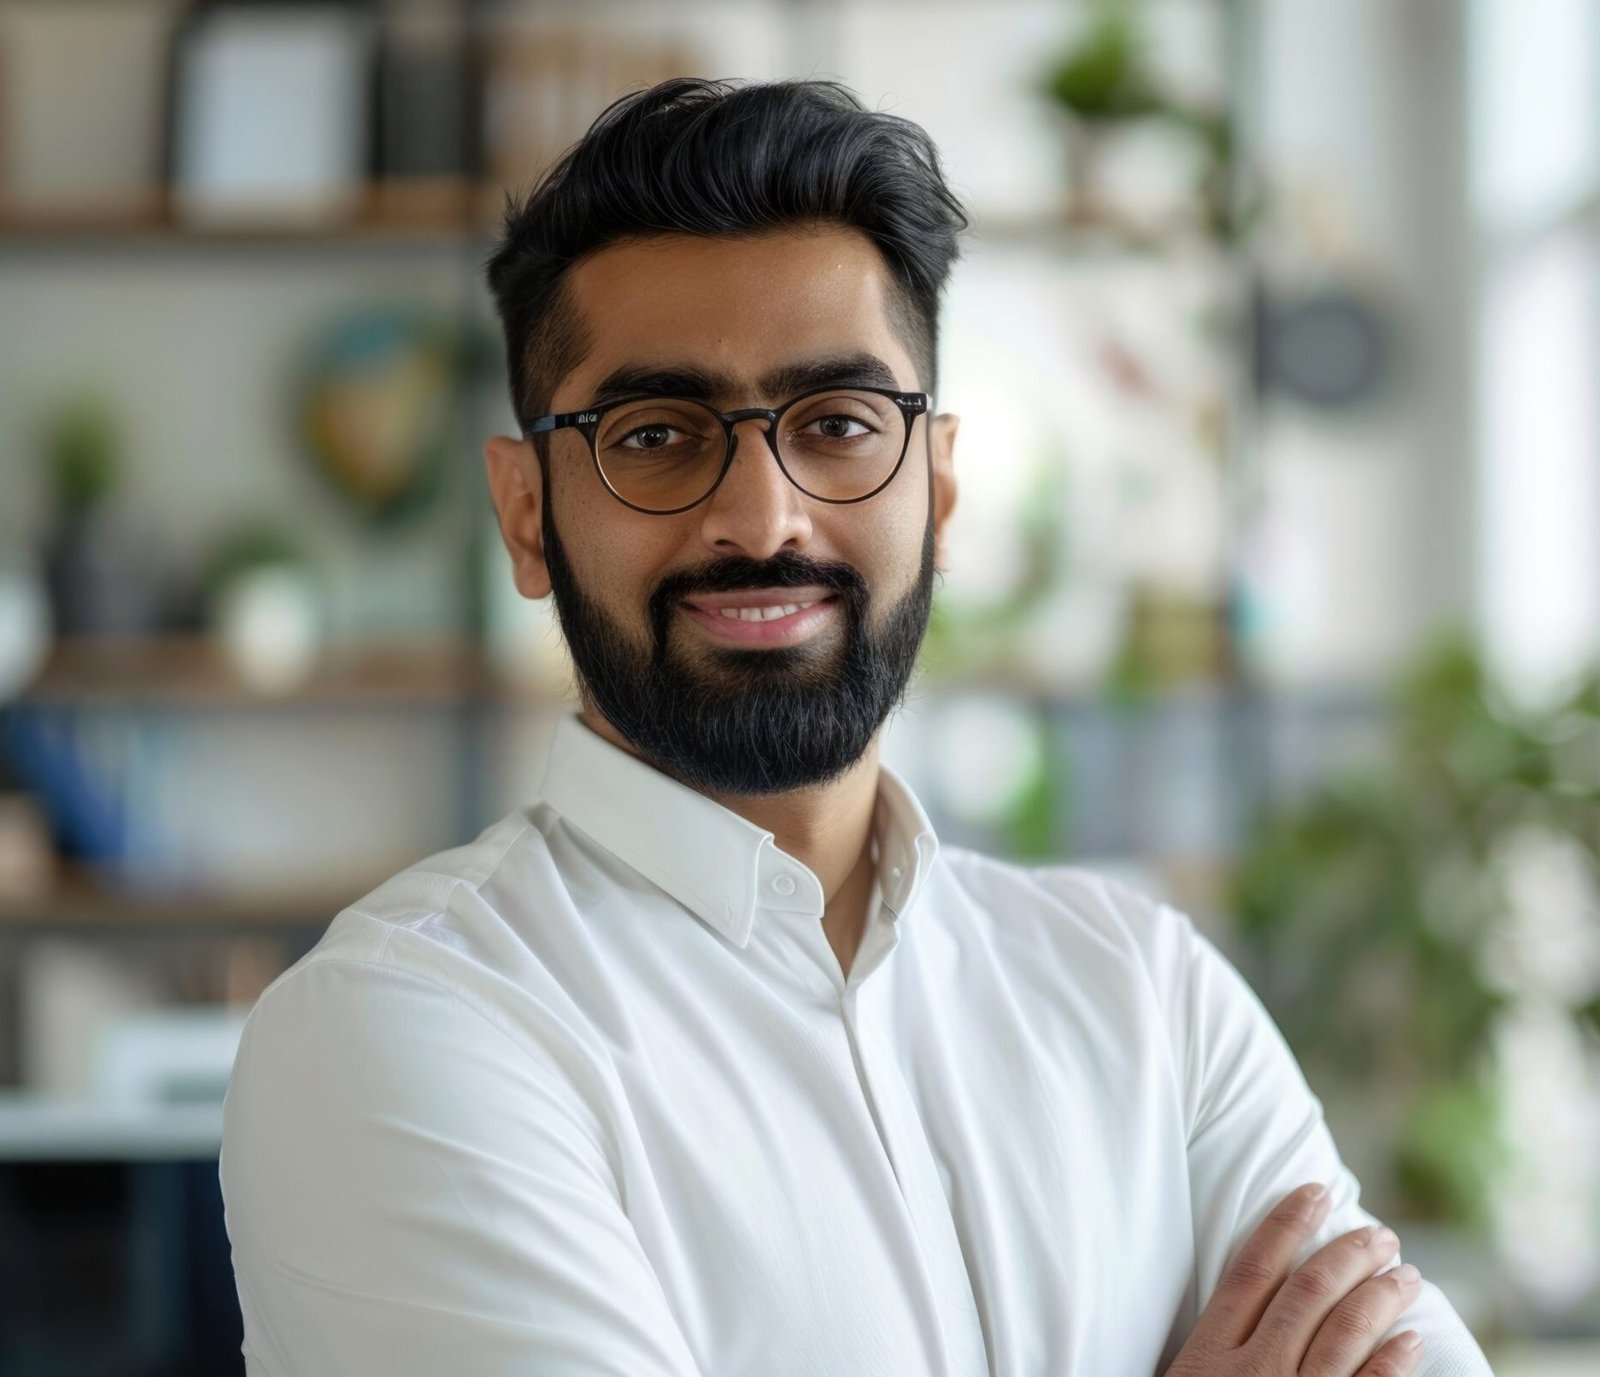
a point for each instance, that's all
(721, 866)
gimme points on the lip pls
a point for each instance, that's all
(796, 627)
(759, 597)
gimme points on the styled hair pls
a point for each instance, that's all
(691, 155)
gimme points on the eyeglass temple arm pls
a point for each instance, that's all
(565, 418)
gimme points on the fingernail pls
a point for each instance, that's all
(1408, 1341)
(1407, 1275)
(1313, 1201)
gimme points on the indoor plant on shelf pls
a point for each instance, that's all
(1105, 85)
(1372, 917)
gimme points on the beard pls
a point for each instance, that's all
(747, 722)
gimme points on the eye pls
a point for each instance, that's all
(834, 434)
(648, 430)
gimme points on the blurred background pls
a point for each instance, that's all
(1274, 579)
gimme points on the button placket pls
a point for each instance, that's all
(916, 1170)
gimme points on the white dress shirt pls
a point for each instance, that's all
(591, 1094)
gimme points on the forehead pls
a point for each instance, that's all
(737, 308)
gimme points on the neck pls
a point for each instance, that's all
(828, 826)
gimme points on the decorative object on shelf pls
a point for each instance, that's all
(26, 856)
(1140, 161)
(26, 853)
(25, 622)
(1329, 346)
(71, 992)
(1170, 640)
(266, 607)
(27, 859)
(80, 109)
(59, 769)
(1374, 921)
(542, 73)
(162, 1056)
(269, 114)
(376, 407)
(98, 567)
(424, 112)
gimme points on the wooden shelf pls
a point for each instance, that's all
(449, 214)
(79, 902)
(188, 671)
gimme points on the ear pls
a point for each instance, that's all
(941, 448)
(516, 485)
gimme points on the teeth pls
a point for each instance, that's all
(764, 614)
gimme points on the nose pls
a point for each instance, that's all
(756, 510)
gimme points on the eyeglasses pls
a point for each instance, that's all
(663, 455)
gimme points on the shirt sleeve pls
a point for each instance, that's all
(1256, 1132)
(409, 1189)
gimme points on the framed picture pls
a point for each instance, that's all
(271, 113)
(375, 402)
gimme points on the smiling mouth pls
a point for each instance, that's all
(764, 613)
(764, 620)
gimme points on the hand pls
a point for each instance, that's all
(1320, 1320)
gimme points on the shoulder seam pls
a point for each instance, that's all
(456, 881)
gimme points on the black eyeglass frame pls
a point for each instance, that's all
(911, 404)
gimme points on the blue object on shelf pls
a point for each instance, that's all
(42, 751)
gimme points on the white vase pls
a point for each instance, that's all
(25, 623)
(269, 621)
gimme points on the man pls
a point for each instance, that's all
(709, 1060)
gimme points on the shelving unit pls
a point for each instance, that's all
(447, 681)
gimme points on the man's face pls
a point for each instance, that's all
(731, 706)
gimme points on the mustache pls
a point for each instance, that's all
(731, 575)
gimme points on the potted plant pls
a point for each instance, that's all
(97, 565)
(1369, 917)
(265, 605)
(1106, 85)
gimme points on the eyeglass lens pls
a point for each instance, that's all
(663, 453)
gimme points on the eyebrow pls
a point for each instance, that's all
(630, 380)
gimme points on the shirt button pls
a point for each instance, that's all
(784, 884)
(895, 873)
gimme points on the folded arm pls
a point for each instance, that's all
(1256, 1131)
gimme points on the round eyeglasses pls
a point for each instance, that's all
(663, 455)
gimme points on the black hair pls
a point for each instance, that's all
(691, 155)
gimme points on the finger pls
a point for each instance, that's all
(1396, 1358)
(1318, 1286)
(1351, 1332)
(1263, 1263)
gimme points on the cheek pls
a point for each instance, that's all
(902, 524)
(621, 560)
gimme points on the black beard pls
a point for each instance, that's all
(762, 721)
